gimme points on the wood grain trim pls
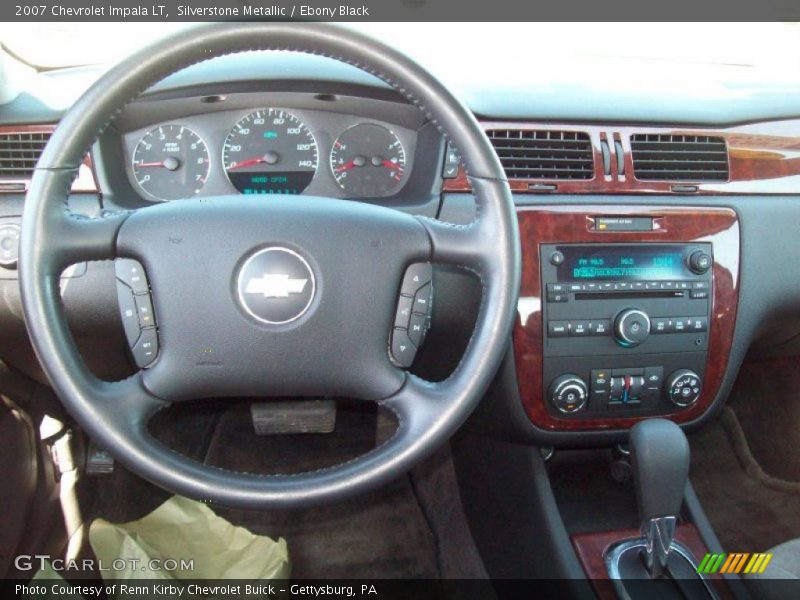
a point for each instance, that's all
(85, 182)
(568, 224)
(764, 158)
(592, 547)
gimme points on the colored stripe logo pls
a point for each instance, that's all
(737, 562)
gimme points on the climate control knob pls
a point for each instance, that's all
(684, 387)
(568, 393)
(631, 327)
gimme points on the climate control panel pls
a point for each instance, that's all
(625, 327)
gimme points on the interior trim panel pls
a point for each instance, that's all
(763, 158)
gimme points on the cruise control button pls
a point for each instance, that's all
(131, 273)
(558, 328)
(403, 313)
(416, 276)
(146, 349)
(144, 308)
(417, 327)
(128, 312)
(422, 300)
(403, 351)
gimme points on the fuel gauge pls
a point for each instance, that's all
(368, 160)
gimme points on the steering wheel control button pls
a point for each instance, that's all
(684, 387)
(568, 393)
(631, 327)
(417, 328)
(132, 274)
(276, 285)
(144, 308)
(422, 300)
(146, 349)
(9, 245)
(416, 276)
(413, 315)
(128, 312)
(404, 305)
(403, 350)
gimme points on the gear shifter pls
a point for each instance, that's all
(660, 462)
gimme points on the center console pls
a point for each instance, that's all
(624, 313)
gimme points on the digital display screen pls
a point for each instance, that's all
(609, 263)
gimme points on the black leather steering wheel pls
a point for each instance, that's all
(357, 253)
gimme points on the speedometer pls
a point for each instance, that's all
(270, 151)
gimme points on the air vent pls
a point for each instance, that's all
(666, 157)
(19, 153)
(533, 154)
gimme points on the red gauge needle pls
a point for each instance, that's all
(151, 164)
(389, 164)
(249, 162)
(346, 166)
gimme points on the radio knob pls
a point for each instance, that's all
(568, 393)
(631, 327)
(700, 261)
(684, 387)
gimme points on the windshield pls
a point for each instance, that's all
(761, 46)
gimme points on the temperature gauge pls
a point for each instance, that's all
(368, 160)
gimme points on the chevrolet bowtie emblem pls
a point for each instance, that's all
(275, 286)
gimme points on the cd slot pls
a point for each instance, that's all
(629, 294)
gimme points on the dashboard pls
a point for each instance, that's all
(587, 188)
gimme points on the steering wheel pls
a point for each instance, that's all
(194, 253)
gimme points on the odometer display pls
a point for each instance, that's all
(270, 151)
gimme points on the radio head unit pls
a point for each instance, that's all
(625, 327)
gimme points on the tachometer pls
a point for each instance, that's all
(368, 160)
(170, 162)
(270, 151)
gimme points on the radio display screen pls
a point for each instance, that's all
(622, 263)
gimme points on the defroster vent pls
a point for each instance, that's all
(19, 153)
(543, 154)
(669, 157)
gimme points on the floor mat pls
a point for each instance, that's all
(385, 534)
(382, 534)
(747, 513)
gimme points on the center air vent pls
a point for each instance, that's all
(19, 153)
(534, 154)
(667, 157)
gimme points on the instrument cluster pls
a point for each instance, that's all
(269, 151)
